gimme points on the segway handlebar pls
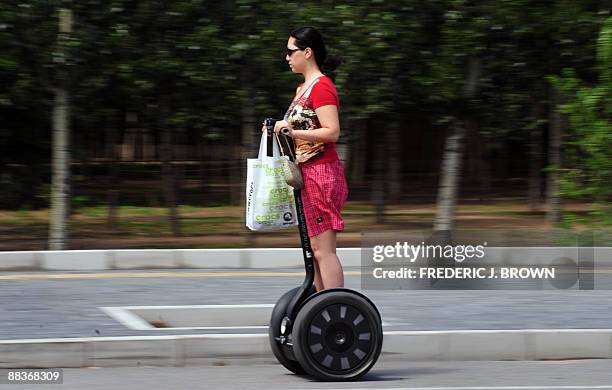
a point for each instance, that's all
(270, 122)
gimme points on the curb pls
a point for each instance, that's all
(94, 260)
(220, 349)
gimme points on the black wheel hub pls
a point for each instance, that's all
(340, 337)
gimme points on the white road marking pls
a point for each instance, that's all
(127, 318)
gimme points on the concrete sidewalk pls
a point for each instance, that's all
(221, 349)
(255, 258)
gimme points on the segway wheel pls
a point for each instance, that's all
(337, 335)
(274, 332)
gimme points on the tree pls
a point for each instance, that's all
(587, 169)
(459, 73)
(60, 188)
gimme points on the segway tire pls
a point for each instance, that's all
(274, 332)
(337, 335)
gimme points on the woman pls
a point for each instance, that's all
(314, 125)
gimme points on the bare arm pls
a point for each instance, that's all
(330, 126)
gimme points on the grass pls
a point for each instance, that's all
(12, 222)
(220, 218)
(151, 228)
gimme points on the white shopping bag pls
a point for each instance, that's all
(270, 203)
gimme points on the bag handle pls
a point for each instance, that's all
(290, 154)
(263, 147)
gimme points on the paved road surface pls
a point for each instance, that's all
(67, 305)
(544, 375)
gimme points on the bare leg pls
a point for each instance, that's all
(317, 281)
(324, 248)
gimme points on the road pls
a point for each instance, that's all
(61, 304)
(388, 374)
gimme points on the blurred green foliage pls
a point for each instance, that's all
(207, 60)
(587, 171)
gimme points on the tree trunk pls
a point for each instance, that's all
(114, 176)
(249, 135)
(553, 213)
(380, 177)
(451, 169)
(234, 173)
(243, 148)
(358, 153)
(167, 171)
(60, 195)
(453, 157)
(60, 187)
(535, 160)
(113, 200)
(393, 147)
(484, 171)
(6, 196)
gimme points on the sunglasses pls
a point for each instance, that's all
(291, 51)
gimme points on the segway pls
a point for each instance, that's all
(334, 334)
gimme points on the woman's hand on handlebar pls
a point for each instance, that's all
(281, 125)
(278, 126)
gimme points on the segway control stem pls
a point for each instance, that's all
(302, 294)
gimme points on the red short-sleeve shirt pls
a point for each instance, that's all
(302, 116)
(324, 94)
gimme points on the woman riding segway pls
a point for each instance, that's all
(334, 334)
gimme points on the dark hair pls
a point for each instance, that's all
(310, 37)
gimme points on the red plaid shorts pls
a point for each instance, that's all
(323, 195)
